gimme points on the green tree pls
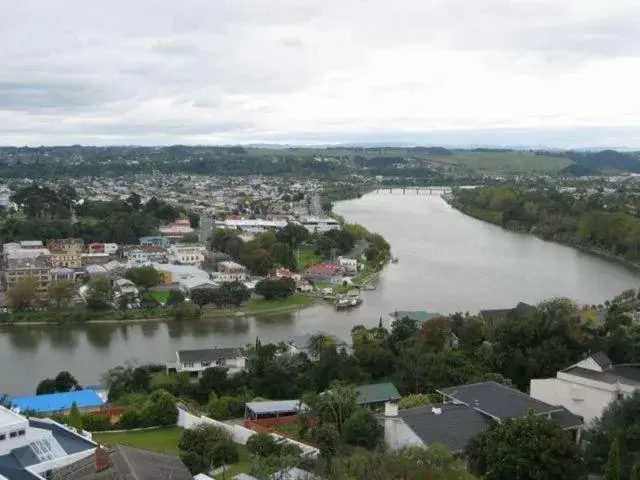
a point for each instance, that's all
(334, 406)
(530, 448)
(144, 277)
(262, 445)
(23, 294)
(75, 418)
(160, 409)
(206, 447)
(190, 237)
(415, 400)
(619, 422)
(327, 439)
(362, 429)
(61, 293)
(99, 295)
(613, 463)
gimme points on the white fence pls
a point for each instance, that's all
(238, 433)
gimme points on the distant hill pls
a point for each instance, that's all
(607, 160)
(577, 170)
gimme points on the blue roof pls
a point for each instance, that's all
(55, 402)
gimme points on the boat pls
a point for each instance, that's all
(346, 303)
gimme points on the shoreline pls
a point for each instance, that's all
(206, 315)
(630, 265)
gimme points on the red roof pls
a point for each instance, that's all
(284, 273)
(323, 269)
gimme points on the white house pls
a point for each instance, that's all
(349, 265)
(589, 386)
(197, 361)
(35, 448)
(186, 254)
(231, 272)
(124, 286)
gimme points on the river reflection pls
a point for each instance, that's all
(448, 262)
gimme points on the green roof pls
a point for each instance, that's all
(376, 393)
(419, 316)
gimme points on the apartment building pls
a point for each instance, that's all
(231, 272)
(186, 254)
(66, 252)
(19, 268)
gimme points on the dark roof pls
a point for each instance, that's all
(210, 354)
(565, 419)
(128, 463)
(602, 360)
(453, 427)
(500, 313)
(376, 393)
(11, 468)
(497, 400)
(69, 441)
(628, 374)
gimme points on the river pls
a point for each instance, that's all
(447, 262)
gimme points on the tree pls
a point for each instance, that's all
(23, 294)
(190, 237)
(99, 294)
(320, 343)
(529, 448)
(415, 400)
(61, 293)
(613, 464)
(160, 409)
(362, 429)
(63, 382)
(334, 406)
(5, 401)
(620, 423)
(46, 386)
(327, 439)
(281, 288)
(206, 447)
(75, 418)
(262, 445)
(144, 277)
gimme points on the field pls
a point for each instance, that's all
(279, 304)
(161, 440)
(165, 440)
(504, 162)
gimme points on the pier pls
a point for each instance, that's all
(418, 190)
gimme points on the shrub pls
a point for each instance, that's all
(206, 446)
(130, 419)
(262, 445)
(96, 422)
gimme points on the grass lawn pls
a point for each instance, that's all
(161, 440)
(280, 303)
(308, 257)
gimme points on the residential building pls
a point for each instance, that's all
(273, 409)
(175, 274)
(325, 271)
(145, 254)
(589, 386)
(294, 473)
(467, 411)
(176, 230)
(33, 449)
(110, 270)
(66, 259)
(59, 274)
(17, 269)
(186, 253)
(251, 226)
(75, 245)
(31, 244)
(348, 265)
(231, 272)
(124, 462)
(125, 287)
(197, 361)
(496, 317)
(377, 394)
(304, 343)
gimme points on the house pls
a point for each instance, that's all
(154, 241)
(66, 252)
(348, 265)
(176, 230)
(303, 343)
(58, 402)
(288, 474)
(494, 317)
(186, 254)
(195, 362)
(589, 386)
(273, 409)
(231, 272)
(467, 410)
(17, 269)
(32, 449)
(72, 245)
(325, 271)
(125, 287)
(124, 462)
(145, 254)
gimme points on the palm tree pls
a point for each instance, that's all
(319, 343)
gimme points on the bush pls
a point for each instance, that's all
(186, 311)
(262, 445)
(159, 410)
(96, 422)
(362, 430)
(206, 446)
(130, 419)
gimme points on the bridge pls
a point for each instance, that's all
(418, 190)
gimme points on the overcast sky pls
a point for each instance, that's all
(517, 72)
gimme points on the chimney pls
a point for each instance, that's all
(390, 409)
(101, 459)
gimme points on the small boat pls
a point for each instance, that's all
(345, 303)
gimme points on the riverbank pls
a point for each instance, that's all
(495, 219)
(257, 307)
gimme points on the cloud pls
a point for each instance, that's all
(201, 71)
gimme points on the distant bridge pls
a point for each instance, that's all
(418, 190)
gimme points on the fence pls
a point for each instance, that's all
(238, 433)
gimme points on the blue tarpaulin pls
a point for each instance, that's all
(55, 402)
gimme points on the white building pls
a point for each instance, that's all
(231, 272)
(319, 225)
(176, 230)
(36, 448)
(589, 386)
(186, 254)
(197, 361)
(349, 265)
(251, 226)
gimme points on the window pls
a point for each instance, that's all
(13, 434)
(620, 396)
(3, 436)
(21, 433)
(187, 364)
(221, 361)
(205, 364)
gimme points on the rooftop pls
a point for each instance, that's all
(8, 418)
(210, 354)
(376, 393)
(497, 400)
(419, 316)
(55, 402)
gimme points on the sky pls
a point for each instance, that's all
(436, 72)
